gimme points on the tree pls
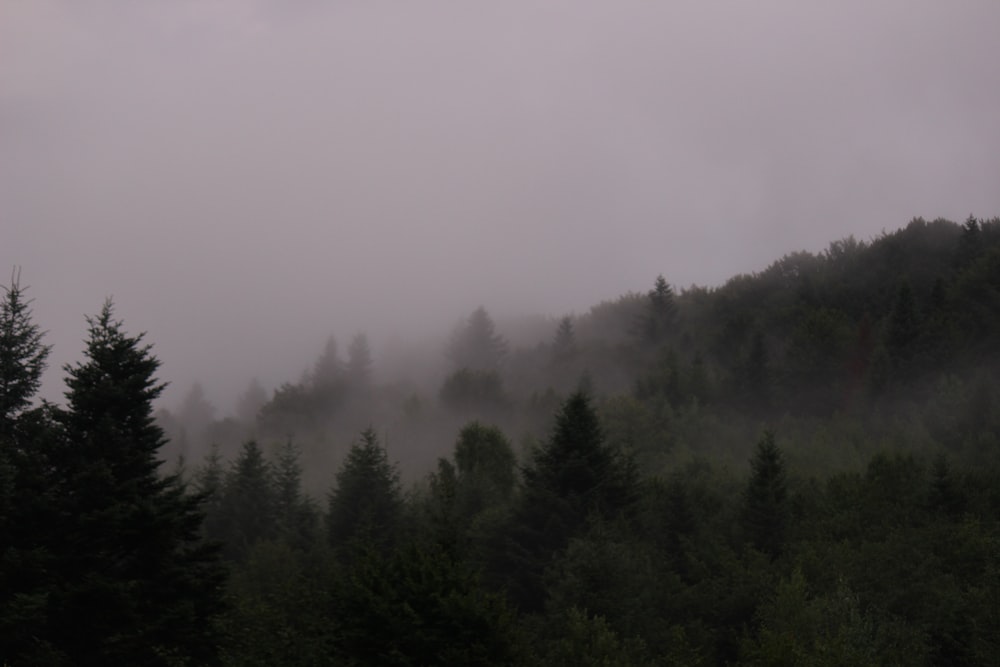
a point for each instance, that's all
(575, 477)
(903, 332)
(765, 509)
(328, 370)
(359, 362)
(564, 343)
(467, 391)
(486, 469)
(365, 504)
(22, 354)
(248, 510)
(476, 345)
(296, 514)
(129, 538)
(195, 415)
(419, 607)
(661, 312)
(251, 401)
(28, 437)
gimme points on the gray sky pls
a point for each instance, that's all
(247, 176)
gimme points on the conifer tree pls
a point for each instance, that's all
(765, 509)
(564, 343)
(365, 504)
(22, 354)
(359, 362)
(28, 438)
(248, 510)
(476, 345)
(134, 582)
(575, 477)
(661, 312)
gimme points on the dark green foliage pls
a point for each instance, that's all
(22, 355)
(659, 321)
(248, 508)
(765, 512)
(945, 494)
(903, 333)
(365, 504)
(418, 607)
(573, 478)
(297, 516)
(485, 463)
(127, 541)
(280, 611)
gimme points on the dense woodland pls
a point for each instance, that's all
(800, 467)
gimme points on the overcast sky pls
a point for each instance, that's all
(246, 177)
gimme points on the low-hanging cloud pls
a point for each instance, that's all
(246, 177)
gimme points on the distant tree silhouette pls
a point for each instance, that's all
(476, 344)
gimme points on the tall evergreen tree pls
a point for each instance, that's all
(575, 477)
(359, 362)
(28, 438)
(366, 503)
(660, 317)
(248, 509)
(564, 343)
(135, 584)
(22, 354)
(903, 333)
(765, 508)
(476, 344)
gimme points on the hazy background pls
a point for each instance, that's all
(247, 177)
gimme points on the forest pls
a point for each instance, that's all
(798, 467)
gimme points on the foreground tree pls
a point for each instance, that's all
(134, 583)
(22, 355)
(27, 438)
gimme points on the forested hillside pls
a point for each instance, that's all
(801, 467)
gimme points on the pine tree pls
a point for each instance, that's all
(366, 503)
(134, 582)
(476, 345)
(22, 355)
(248, 510)
(28, 438)
(765, 508)
(902, 337)
(564, 343)
(296, 514)
(574, 478)
(660, 318)
(359, 362)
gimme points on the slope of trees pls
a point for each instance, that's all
(798, 467)
(119, 572)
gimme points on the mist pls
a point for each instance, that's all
(247, 178)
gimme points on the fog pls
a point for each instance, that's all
(246, 178)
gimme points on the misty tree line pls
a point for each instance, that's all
(798, 467)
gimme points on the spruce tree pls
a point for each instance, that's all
(765, 510)
(476, 345)
(366, 503)
(249, 509)
(22, 355)
(660, 317)
(574, 478)
(135, 583)
(27, 439)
